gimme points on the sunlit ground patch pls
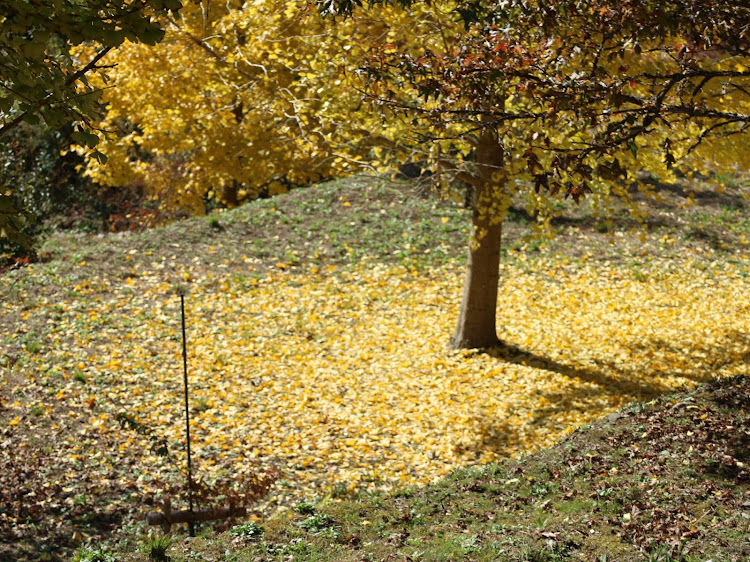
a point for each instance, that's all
(342, 377)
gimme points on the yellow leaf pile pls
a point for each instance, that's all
(342, 376)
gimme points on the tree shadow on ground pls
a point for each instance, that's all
(711, 201)
(730, 347)
(510, 353)
(622, 382)
(703, 197)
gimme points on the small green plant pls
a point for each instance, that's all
(468, 544)
(305, 507)
(540, 489)
(202, 404)
(540, 521)
(660, 553)
(37, 410)
(316, 523)
(491, 469)
(673, 553)
(81, 499)
(249, 530)
(157, 546)
(637, 407)
(340, 490)
(297, 546)
(79, 376)
(214, 223)
(535, 245)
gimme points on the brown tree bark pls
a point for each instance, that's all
(229, 195)
(476, 326)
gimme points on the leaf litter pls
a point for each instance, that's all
(336, 377)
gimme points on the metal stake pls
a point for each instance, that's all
(187, 415)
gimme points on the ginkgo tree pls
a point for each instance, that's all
(41, 80)
(242, 99)
(523, 96)
(568, 98)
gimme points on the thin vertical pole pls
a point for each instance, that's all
(187, 414)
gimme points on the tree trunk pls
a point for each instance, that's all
(229, 196)
(477, 319)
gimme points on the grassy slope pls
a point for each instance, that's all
(662, 481)
(356, 219)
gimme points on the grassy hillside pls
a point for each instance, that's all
(664, 481)
(317, 324)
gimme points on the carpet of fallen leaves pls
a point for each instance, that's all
(340, 377)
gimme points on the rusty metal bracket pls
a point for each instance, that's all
(166, 518)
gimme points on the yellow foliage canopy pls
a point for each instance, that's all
(250, 99)
(243, 98)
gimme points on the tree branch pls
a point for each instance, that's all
(90, 66)
(7, 127)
